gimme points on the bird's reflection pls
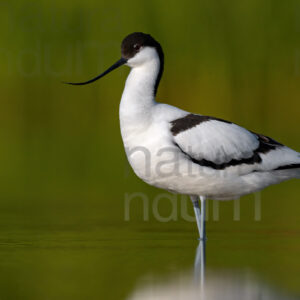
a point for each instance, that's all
(202, 284)
(199, 266)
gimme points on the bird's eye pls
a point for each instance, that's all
(136, 46)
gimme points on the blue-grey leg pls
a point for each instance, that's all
(203, 217)
(200, 214)
(195, 200)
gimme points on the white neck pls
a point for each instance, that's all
(138, 96)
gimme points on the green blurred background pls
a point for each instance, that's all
(64, 174)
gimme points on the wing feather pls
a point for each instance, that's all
(220, 144)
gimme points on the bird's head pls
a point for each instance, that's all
(137, 49)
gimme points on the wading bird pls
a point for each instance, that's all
(186, 153)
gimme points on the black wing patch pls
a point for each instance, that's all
(255, 158)
(286, 167)
(190, 121)
(270, 144)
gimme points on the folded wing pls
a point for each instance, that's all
(219, 144)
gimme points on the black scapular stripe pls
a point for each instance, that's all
(286, 167)
(190, 121)
(266, 144)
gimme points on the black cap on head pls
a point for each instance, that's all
(135, 41)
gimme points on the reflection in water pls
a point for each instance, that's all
(208, 285)
(200, 261)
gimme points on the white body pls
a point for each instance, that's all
(155, 158)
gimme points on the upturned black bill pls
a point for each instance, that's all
(119, 63)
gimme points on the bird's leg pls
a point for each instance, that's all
(197, 211)
(203, 210)
(200, 214)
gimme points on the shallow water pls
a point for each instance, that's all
(94, 258)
